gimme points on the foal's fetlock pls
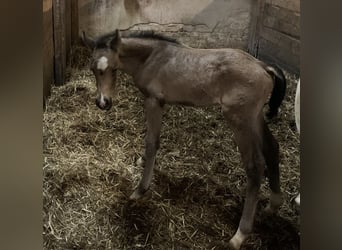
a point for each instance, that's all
(276, 200)
(138, 193)
(140, 162)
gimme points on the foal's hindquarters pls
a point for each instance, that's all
(258, 148)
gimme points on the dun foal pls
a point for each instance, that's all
(168, 72)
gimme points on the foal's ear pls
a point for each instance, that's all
(116, 41)
(90, 43)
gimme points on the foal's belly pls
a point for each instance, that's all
(190, 94)
(190, 101)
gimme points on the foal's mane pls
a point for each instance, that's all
(150, 34)
(102, 41)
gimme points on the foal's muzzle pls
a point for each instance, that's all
(104, 104)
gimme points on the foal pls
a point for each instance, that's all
(168, 72)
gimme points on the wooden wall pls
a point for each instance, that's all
(200, 23)
(276, 35)
(48, 49)
(60, 23)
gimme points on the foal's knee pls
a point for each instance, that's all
(152, 145)
(255, 170)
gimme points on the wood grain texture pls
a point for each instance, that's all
(276, 37)
(282, 20)
(281, 55)
(67, 30)
(293, 5)
(47, 5)
(59, 40)
(255, 26)
(48, 49)
(74, 22)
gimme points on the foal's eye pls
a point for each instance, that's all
(101, 72)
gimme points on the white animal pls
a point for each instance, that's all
(297, 106)
(297, 117)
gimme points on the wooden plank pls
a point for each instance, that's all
(48, 50)
(283, 20)
(59, 41)
(291, 44)
(47, 5)
(276, 36)
(74, 22)
(67, 30)
(256, 23)
(272, 53)
(293, 5)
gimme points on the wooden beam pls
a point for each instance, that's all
(59, 28)
(272, 53)
(74, 22)
(48, 49)
(256, 26)
(67, 30)
(283, 20)
(293, 5)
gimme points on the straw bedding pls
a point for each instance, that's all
(196, 197)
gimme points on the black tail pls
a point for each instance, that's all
(278, 92)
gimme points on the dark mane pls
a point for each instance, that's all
(102, 41)
(150, 34)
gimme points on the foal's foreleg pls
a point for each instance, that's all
(153, 113)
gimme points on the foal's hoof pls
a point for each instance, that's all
(140, 162)
(276, 200)
(137, 194)
(234, 245)
(237, 240)
(295, 202)
(270, 210)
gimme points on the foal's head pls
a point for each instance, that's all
(104, 63)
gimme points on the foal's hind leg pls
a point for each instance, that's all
(271, 154)
(153, 113)
(248, 139)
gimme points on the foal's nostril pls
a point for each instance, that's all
(108, 104)
(104, 104)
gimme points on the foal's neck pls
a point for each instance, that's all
(133, 54)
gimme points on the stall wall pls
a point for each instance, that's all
(60, 32)
(277, 33)
(48, 50)
(200, 23)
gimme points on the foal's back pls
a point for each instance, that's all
(199, 77)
